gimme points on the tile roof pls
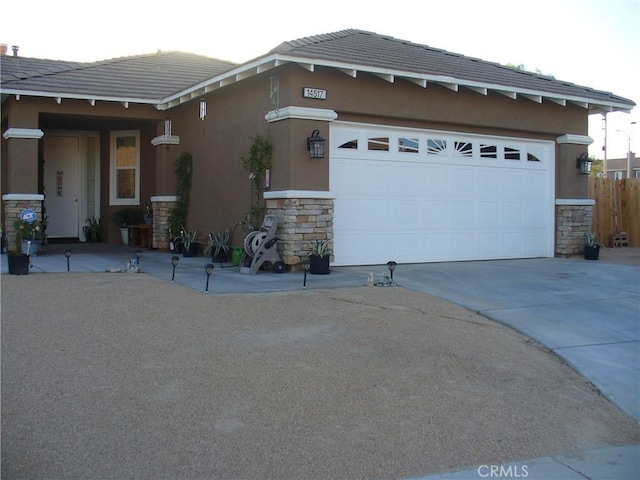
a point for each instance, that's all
(143, 77)
(167, 79)
(359, 47)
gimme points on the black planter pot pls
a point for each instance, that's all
(591, 253)
(319, 265)
(18, 264)
(220, 257)
(192, 251)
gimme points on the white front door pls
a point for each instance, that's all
(62, 185)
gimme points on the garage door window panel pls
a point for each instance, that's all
(378, 144)
(408, 145)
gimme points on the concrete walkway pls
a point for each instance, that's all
(586, 312)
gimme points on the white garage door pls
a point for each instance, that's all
(428, 196)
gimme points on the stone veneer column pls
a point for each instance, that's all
(573, 220)
(304, 217)
(162, 208)
(14, 203)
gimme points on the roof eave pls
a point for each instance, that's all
(92, 99)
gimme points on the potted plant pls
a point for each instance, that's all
(592, 246)
(218, 246)
(124, 218)
(29, 235)
(189, 244)
(93, 230)
(18, 262)
(319, 257)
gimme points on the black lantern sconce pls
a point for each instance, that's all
(174, 262)
(391, 265)
(315, 145)
(208, 269)
(67, 253)
(306, 265)
(583, 162)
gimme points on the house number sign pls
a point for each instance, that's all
(316, 93)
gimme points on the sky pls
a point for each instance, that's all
(595, 43)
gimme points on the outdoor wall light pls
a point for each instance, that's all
(306, 265)
(315, 145)
(138, 255)
(391, 265)
(174, 261)
(203, 109)
(583, 162)
(67, 253)
(208, 268)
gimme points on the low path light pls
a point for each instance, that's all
(391, 265)
(67, 253)
(138, 255)
(174, 261)
(208, 269)
(306, 264)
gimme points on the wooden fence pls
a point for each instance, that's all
(617, 208)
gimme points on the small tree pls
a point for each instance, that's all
(258, 163)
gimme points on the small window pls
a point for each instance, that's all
(637, 173)
(351, 144)
(379, 144)
(463, 149)
(511, 153)
(125, 168)
(617, 175)
(532, 158)
(408, 145)
(436, 147)
(488, 151)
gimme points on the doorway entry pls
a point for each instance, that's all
(71, 182)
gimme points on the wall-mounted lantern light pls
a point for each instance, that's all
(583, 162)
(315, 145)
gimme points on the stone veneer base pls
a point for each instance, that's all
(303, 219)
(573, 220)
(162, 208)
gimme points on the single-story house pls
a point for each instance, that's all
(429, 155)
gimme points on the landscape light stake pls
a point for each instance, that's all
(306, 264)
(208, 268)
(174, 261)
(67, 253)
(138, 255)
(391, 265)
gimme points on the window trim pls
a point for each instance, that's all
(113, 199)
